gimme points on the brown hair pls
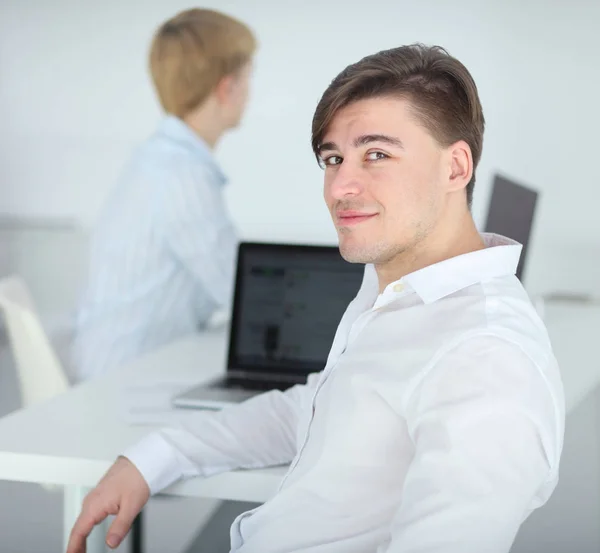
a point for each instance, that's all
(440, 89)
(192, 52)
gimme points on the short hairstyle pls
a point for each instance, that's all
(192, 52)
(440, 89)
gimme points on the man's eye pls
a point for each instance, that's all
(375, 156)
(332, 160)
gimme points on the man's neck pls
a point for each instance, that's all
(206, 124)
(436, 247)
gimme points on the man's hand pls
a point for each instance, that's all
(122, 492)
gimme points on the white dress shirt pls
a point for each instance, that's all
(162, 256)
(436, 425)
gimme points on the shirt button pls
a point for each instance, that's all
(399, 287)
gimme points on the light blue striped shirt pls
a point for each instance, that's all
(162, 255)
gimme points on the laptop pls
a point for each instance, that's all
(511, 213)
(288, 301)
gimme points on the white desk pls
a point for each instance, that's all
(575, 334)
(73, 439)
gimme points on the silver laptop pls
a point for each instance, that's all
(288, 301)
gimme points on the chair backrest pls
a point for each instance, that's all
(40, 373)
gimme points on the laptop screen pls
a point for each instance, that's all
(288, 302)
(511, 212)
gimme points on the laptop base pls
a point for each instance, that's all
(212, 395)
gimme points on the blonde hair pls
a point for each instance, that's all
(192, 52)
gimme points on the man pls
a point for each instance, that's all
(437, 423)
(163, 253)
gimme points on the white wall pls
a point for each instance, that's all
(75, 98)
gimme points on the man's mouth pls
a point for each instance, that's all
(350, 218)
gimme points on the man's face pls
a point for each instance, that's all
(238, 93)
(384, 179)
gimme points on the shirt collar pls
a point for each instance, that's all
(176, 130)
(500, 257)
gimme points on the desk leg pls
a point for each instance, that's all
(137, 534)
(73, 498)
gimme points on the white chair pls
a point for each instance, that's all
(39, 371)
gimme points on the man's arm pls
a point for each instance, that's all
(487, 434)
(257, 433)
(198, 230)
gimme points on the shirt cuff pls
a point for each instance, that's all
(157, 460)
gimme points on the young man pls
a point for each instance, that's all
(437, 423)
(162, 255)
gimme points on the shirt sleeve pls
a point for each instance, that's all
(258, 433)
(198, 229)
(484, 427)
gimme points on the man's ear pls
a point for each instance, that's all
(460, 165)
(224, 88)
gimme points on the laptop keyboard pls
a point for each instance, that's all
(259, 385)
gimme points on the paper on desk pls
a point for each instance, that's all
(151, 405)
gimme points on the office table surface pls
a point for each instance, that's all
(73, 439)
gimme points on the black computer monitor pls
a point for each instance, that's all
(288, 302)
(511, 213)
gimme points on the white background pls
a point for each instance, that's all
(75, 97)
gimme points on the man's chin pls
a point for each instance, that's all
(358, 251)
(353, 254)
